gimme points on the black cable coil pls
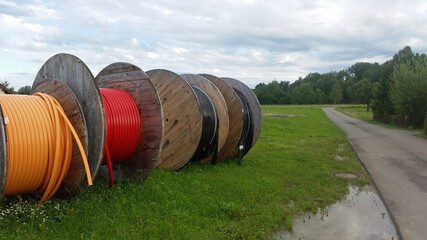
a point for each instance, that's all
(208, 144)
(245, 142)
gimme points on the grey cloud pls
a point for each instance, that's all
(248, 39)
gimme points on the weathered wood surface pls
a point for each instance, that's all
(136, 83)
(73, 72)
(63, 94)
(234, 113)
(3, 155)
(220, 106)
(256, 115)
(182, 119)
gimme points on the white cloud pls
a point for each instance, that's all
(134, 42)
(179, 50)
(8, 3)
(41, 11)
(17, 24)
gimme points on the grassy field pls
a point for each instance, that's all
(288, 172)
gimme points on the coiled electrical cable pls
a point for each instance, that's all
(123, 127)
(245, 142)
(39, 141)
(208, 143)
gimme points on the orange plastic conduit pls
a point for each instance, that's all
(123, 127)
(39, 145)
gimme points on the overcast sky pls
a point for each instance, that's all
(251, 40)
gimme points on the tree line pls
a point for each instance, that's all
(21, 90)
(395, 89)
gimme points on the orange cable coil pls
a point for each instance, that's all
(39, 141)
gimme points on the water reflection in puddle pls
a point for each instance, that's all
(339, 149)
(361, 215)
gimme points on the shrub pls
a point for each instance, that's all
(425, 124)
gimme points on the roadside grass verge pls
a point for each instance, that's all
(359, 112)
(287, 173)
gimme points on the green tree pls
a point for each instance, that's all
(381, 103)
(24, 90)
(5, 83)
(260, 86)
(270, 93)
(404, 56)
(285, 86)
(303, 94)
(363, 92)
(358, 69)
(408, 91)
(335, 95)
(319, 96)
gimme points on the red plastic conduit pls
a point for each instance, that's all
(123, 127)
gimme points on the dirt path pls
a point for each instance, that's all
(397, 162)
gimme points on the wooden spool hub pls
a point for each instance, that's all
(77, 76)
(255, 108)
(135, 82)
(220, 106)
(234, 113)
(3, 155)
(63, 94)
(182, 119)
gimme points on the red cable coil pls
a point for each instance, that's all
(123, 127)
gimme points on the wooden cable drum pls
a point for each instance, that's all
(249, 98)
(234, 113)
(63, 94)
(76, 75)
(219, 103)
(135, 82)
(254, 105)
(181, 118)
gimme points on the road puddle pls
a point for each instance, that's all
(339, 149)
(361, 215)
(345, 175)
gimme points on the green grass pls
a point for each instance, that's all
(288, 172)
(357, 111)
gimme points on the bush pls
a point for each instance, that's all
(425, 124)
(408, 91)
